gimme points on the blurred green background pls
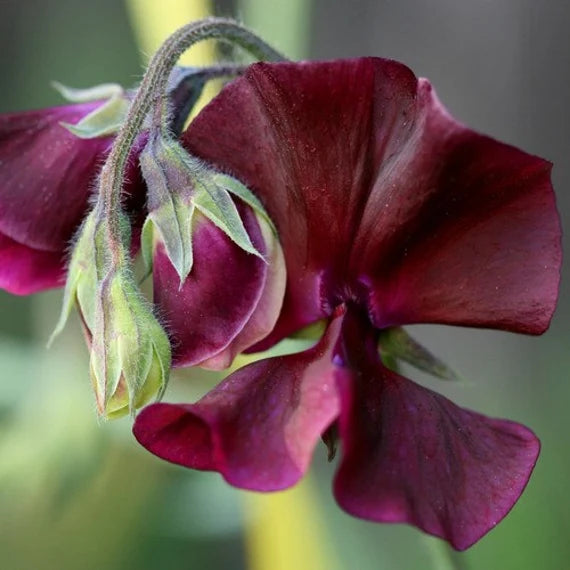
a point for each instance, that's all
(76, 493)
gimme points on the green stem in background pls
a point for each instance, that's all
(443, 557)
(151, 92)
(288, 24)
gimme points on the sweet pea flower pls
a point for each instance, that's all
(389, 212)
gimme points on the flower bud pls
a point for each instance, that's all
(268, 307)
(218, 267)
(179, 186)
(130, 352)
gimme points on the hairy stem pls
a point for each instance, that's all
(224, 69)
(150, 93)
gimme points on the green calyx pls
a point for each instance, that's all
(396, 344)
(130, 353)
(179, 186)
(81, 284)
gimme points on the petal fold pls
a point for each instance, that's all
(475, 237)
(410, 455)
(267, 310)
(218, 297)
(259, 427)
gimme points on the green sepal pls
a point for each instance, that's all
(95, 93)
(235, 187)
(89, 262)
(147, 243)
(81, 283)
(171, 206)
(212, 200)
(104, 121)
(215, 203)
(396, 343)
(130, 355)
(178, 186)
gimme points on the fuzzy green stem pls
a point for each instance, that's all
(226, 69)
(151, 92)
(203, 74)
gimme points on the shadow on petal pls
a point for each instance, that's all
(259, 427)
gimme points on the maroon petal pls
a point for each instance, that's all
(478, 242)
(298, 136)
(267, 310)
(46, 175)
(259, 427)
(217, 298)
(380, 196)
(410, 455)
(24, 270)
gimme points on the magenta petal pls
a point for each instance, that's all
(410, 455)
(46, 175)
(218, 296)
(24, 270)
(259, 427)
(267, 310)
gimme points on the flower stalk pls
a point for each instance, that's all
(151, 92)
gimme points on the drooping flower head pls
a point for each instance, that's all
(389, 213)
(382, 210)
(50, 164)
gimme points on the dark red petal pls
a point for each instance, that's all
(298, 135)
(46, 175)
(218, 296)
(410, 455)
(480, 247)
(24, 270)
(267, 310)
(259, 427)
(379, 196)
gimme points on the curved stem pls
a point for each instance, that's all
(150, 92)
(161, 121)
(215, 71)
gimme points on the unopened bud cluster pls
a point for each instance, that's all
(130, 351)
